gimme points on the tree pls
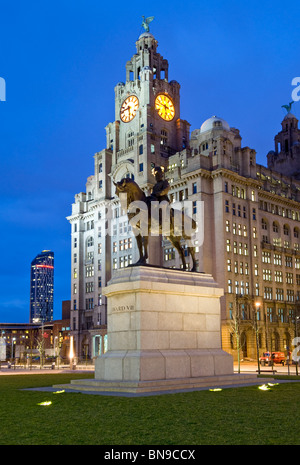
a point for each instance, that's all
(40, 345)
(235, 324)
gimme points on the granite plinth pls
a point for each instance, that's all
(164, 334)
(162, 324)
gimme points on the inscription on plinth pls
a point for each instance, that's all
(123, 308)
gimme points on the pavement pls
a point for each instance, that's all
(245, 367)
(36, 369)
(251, 367)
(248, 367)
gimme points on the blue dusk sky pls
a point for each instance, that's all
(61, 60)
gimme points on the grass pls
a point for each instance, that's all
(239, 416)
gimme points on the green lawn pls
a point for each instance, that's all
(244, 416)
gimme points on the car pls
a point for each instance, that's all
(276, 357)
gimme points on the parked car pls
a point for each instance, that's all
(276, 357)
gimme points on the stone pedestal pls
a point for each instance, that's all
(162, 324)
(164, 334)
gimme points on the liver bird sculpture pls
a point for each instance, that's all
(288, 107)
(146, 21)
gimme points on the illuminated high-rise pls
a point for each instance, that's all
(41, 287)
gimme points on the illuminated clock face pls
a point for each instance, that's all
(129, 108)
(165, 107)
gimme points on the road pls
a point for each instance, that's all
(251, 367)
(36, 369)
(245, 367)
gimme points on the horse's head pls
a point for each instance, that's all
(131, 188)
(124, 186)
(128, 191)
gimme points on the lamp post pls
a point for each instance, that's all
(296, 332)
(71, 355)
(297, 317)
(2, 347)
(257, 307)
(56, 350)
(13, 341)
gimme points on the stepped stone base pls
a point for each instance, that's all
(161, 386)
(164, 334)
(148, 365)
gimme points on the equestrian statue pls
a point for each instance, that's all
(158, 218)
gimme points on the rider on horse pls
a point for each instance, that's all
(161, 188)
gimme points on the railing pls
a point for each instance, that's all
(122, 152)
(279, 248)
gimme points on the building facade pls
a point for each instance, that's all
(42, 287)
(21, 342)
(251, 212)
(25, 342)
(251, 232)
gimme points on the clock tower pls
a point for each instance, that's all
(146, 132)
(147, 127)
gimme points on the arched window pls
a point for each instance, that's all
(130, 139)
(163, 137)
(90, 241)
(275, 227)
(264, 224)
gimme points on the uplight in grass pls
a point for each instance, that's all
(215, 390)
(273, 384)
(264, 387)
(59, 392)
(48, 402)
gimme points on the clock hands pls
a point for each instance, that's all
(165, 107)
(129, 109)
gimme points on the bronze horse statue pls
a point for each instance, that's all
(134, 196)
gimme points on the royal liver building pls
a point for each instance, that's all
(251, 213)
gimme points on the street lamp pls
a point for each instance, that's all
(13, 341)
(71, 354)
(56, 350)
(257, 307)
(297, 317)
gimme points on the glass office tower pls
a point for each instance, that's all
(41, 287)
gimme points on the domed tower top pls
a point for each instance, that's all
(146, 41)
(214, 123)
(146, 56)
(289, 122)
(286, 157)
(289, 134)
